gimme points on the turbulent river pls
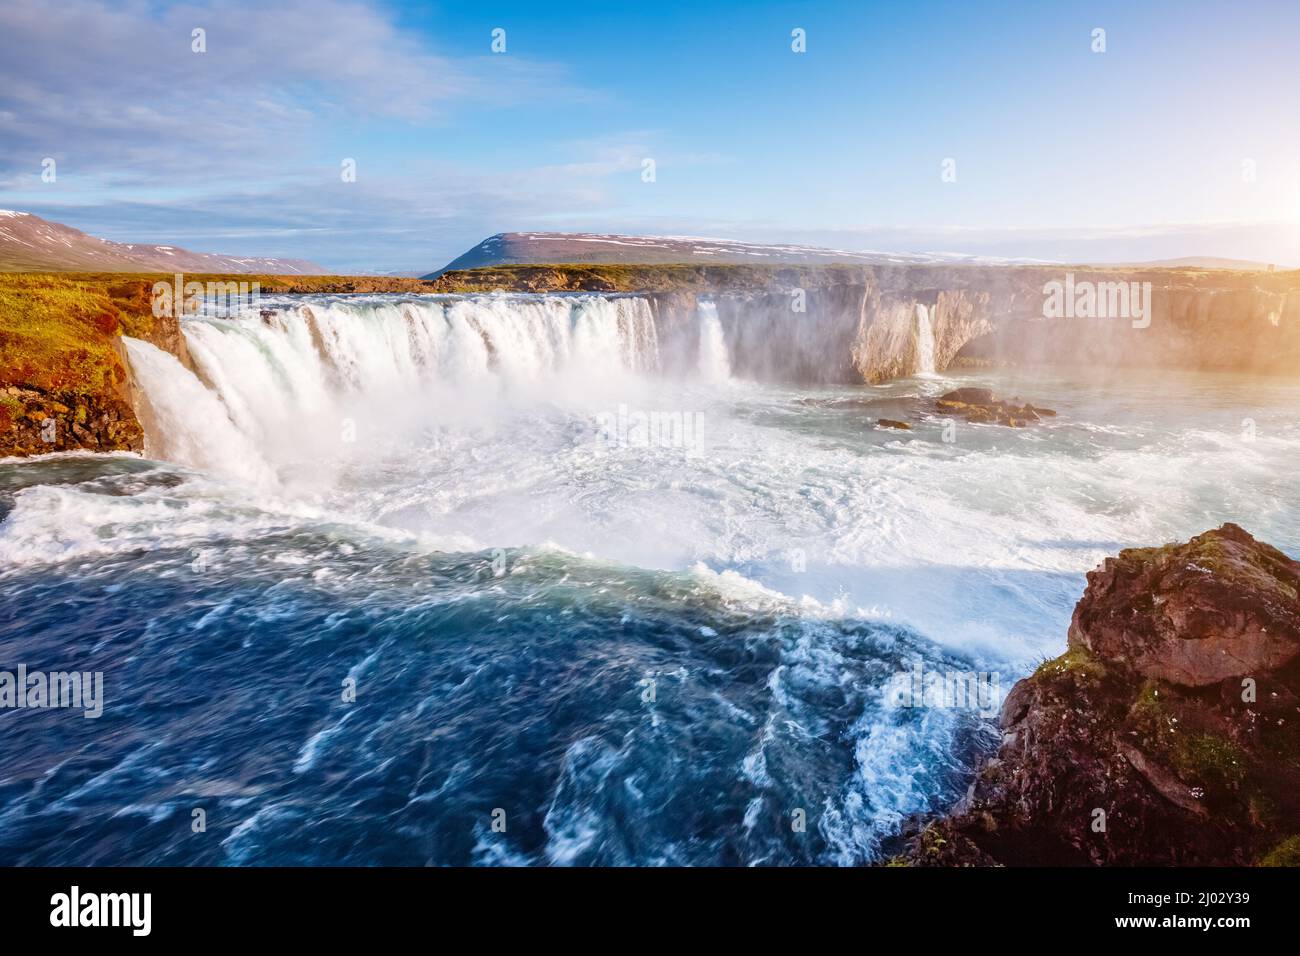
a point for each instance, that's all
(530, 580)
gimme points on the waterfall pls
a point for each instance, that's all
(714, 364)
(301, 384)
(924, 341)
(292, 385)
(187, 422)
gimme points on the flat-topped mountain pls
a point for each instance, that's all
(532, 248)
(29, 243)
(590, 248)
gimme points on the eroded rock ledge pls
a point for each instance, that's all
(1168, 733)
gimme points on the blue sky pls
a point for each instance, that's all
(1182, 138)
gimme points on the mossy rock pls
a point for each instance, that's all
(1076, 662)
(1209, 758)
(1286, 853)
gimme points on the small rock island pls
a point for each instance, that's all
(981, 406)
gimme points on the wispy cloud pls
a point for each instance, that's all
(116, 95)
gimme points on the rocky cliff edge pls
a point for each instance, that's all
(1167, 734)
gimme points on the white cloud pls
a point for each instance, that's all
(116, 94)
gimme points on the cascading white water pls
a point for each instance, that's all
(924, 341)
(198, 427)
(715, 364)
(291, 383)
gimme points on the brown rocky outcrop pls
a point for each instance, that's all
(1221, 605)
(36, 422)
(1168, 733)
(41, 419)
(981, 406)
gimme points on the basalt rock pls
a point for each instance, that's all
(1196, 614)
(980, 406)
(1168, 734)
(970, 396)
(36, 422)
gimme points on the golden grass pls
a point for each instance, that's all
(56, 332)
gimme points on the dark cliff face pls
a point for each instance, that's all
(1169, 733)
(1193, 326)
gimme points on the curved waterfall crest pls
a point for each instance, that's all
(286, 382)
(295, 374)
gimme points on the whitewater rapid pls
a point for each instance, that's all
(476, 423)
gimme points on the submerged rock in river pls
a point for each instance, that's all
(981, 406)
(1168, 733)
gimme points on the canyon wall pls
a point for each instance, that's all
(867, 325)
(843, 333)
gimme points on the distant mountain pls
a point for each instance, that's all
(29, 243)
(390, 273)
(531, 248)
(1205, 262)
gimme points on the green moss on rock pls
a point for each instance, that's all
(1286, 853)
(1076, 661)
(1209, 758)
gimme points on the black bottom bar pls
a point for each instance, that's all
(329, 906)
